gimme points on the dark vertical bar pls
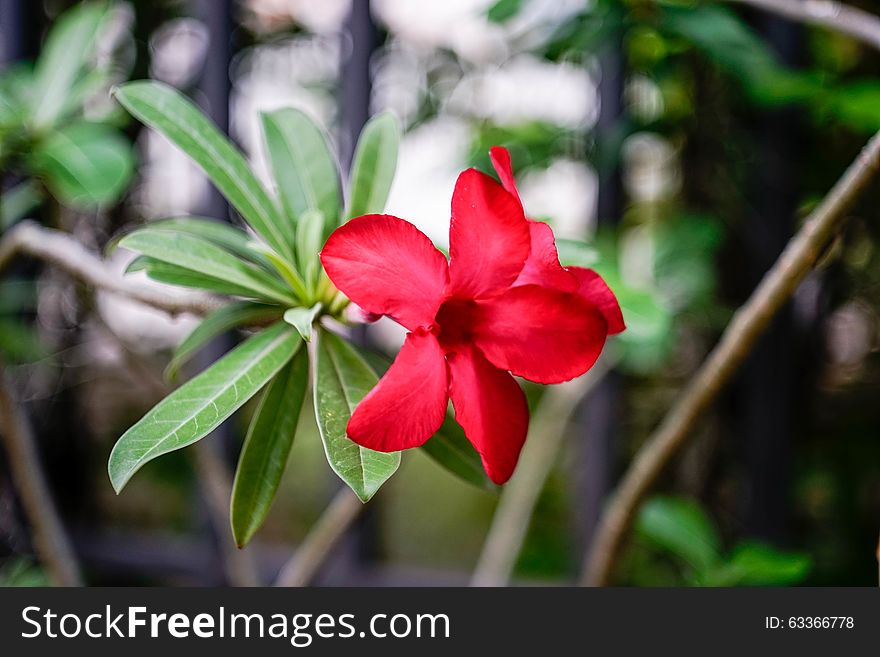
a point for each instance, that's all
(20, 22)
(597, 449)
(769, 382)
(214, 89)
(360, 40)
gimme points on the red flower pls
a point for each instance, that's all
(502, 305)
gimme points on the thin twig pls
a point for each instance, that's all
(50, 539)
(832, 15)
(66, 253)
(343, 510)
(740, 336)
(519, 497)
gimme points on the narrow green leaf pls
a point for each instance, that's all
(203, 257)
(451, 449)
(284, 268)
(753, 563)
(682, 528)
(309, 239)
(232, 238)
(85, 164)
(223, 319)
(168, 111)
(266, 448)
(65, 53)
(303, 166)
(163, 272)
(17, 202)
(302, 319)
(342, 379)
(375, 160)
(199, 406)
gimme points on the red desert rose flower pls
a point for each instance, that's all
(501, 306)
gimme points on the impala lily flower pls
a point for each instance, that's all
(501, 306)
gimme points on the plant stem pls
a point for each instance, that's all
(777, 286)
(519, 496)
(50, 539)
(62, 251)
(325, 534)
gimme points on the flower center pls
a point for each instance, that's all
(454, 321)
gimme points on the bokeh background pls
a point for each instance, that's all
(682, 141)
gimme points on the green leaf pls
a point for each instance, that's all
(163, 272)
(342, 379)
(85, 164)
(266, 448)
(375, 160)
(65, 53)
(574, 253)
(204, 258)
(223, 319)
(757, 564)
(302, 319)
(503, 10)
(309, 238)
(199, 406)
(17, 202)
(19, 343)
(233, 239)
(17, 296)
(283, 268)
(303, 166)
(451, 449)
(680, 527)
(166, 110)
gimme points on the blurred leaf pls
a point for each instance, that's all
(23, 573)
(305, 171)
(225, 318)
(372, 170)
(302, 320)
(85, 164)
(68, 48)
(17, 296)
(451, 449)
(169, 112)
(503, 10)
(736, 48)
(17, 202)
(19, 343)
(680, 527)
(199, 406)
(684, 259)
(757, 564)
(266, 448)
(342, 379)
(574, 253)
(204, 258)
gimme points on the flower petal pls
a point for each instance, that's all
(500, 157)
(542, 266)
(544, 335)
(592, 287)
(408, 404)
(491, 408)
(488, 237)
(387, 266)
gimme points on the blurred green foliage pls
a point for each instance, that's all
(677, 544)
